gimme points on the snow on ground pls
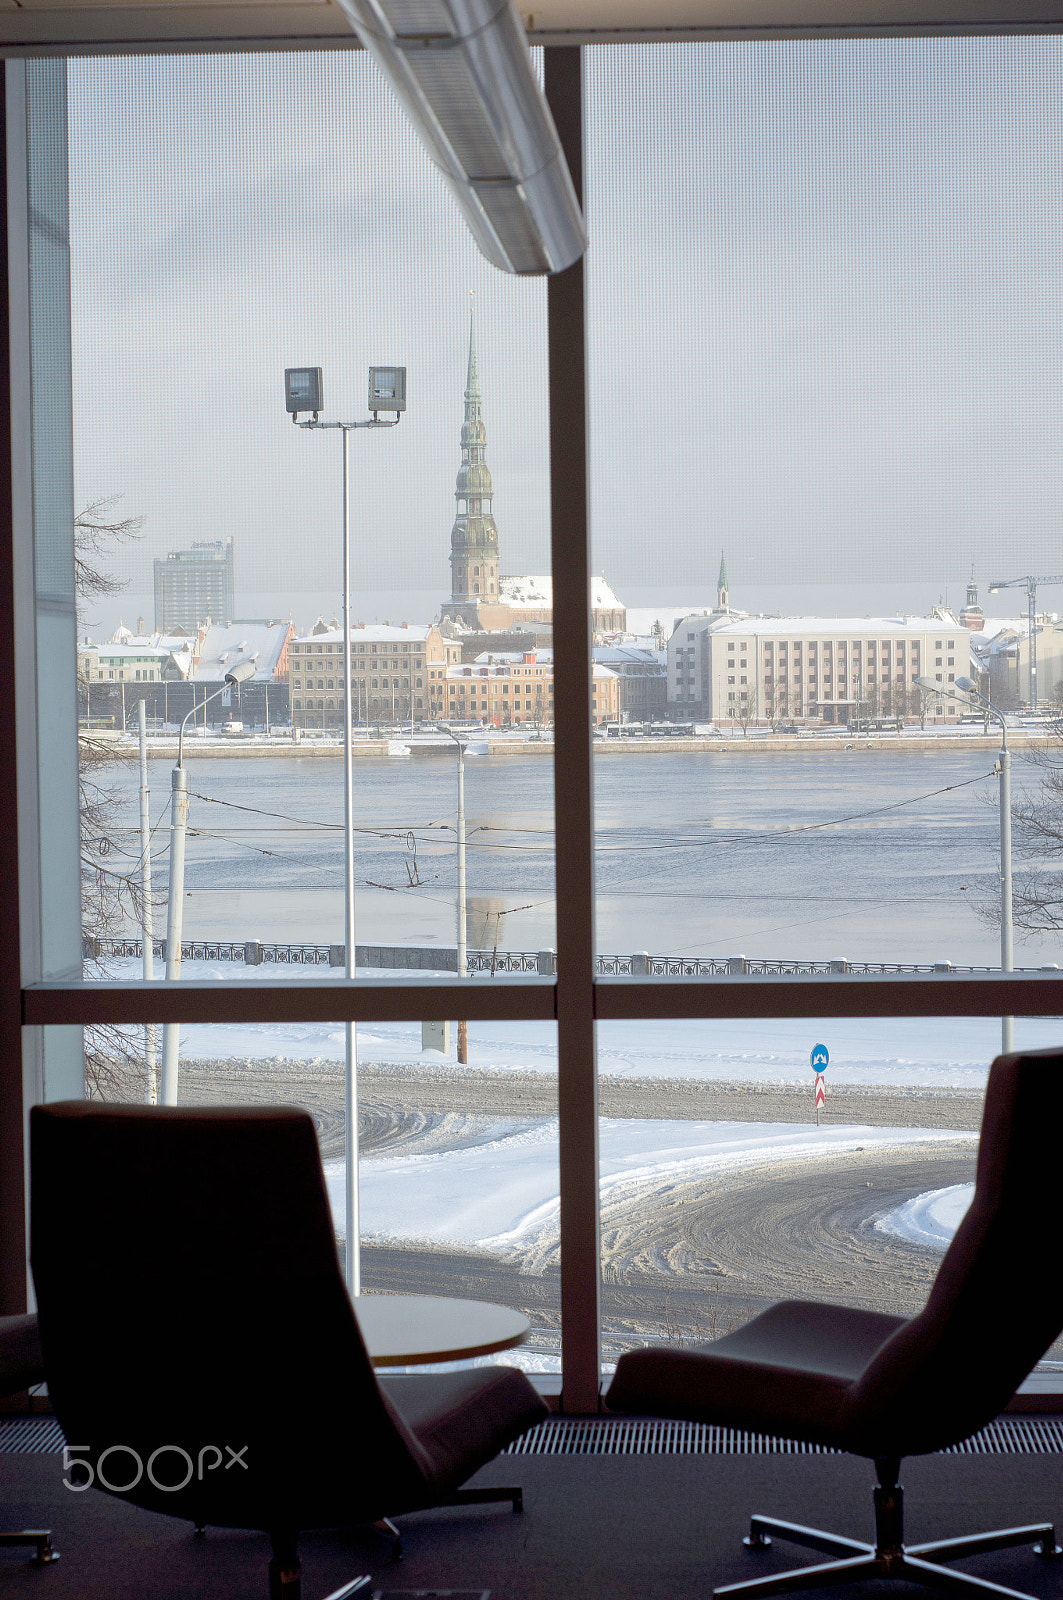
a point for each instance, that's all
(917, 1051)
(503, 1196)
(930, 1219)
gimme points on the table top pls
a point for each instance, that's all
(405, 1330)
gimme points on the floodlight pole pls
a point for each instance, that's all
(351, 1196)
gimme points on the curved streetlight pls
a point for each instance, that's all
(175, 893)
(970, 691)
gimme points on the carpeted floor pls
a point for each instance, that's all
(653, 1527)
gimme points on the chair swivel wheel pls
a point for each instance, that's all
(757, 1541)
(1048, 1552)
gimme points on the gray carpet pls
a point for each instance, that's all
(654, 1527)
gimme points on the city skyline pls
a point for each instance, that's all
(853, 385)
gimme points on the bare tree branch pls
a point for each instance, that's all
(111, 896)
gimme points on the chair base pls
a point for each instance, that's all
(41, 1537)
(888, 1557)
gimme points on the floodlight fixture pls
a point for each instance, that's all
(387, 389)
(464, 74)
(304, 390)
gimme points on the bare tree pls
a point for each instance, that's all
(110, 880)
(744, 711)
(1037, 848)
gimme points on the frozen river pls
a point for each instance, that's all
(866, 855)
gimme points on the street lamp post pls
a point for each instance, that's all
(171, 1033)
(1007, 925)
(304, 391)
(463, 950)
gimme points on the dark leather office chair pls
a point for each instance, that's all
(21, 1368)
(201, 1350)
(886, 1387)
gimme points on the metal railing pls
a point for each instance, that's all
(443, 958)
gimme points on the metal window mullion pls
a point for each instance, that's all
(852, 995)
(573, 782)
(296, 1000)
(16, 693)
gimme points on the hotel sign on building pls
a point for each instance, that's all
(833, 670)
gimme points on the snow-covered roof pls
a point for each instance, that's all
(836, 627)
(176, 643)
(643, 655)
(536, 591)
(527, 591)
(369, 633)
(641, 620)
(259, 642)
(129, 652)
(506, 658)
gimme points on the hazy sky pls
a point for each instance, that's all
(826, 324)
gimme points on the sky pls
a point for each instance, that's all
(825, 325)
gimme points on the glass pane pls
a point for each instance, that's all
(253, 215)
(458, 1177)
(836, 495)
(841, 258)
(724, 1189)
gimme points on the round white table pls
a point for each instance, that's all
(407, 1330)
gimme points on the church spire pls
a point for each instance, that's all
(472, 379)
(721, 587)
(474, 536)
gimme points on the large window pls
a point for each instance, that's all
(714, 820)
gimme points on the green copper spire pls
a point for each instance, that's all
(472, 380)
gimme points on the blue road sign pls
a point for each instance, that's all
(819, 1057)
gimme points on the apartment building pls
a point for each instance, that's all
(506, 690)
(826, 669)
(389, 677)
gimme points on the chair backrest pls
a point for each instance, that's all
(190, 1296)
(997, 1301)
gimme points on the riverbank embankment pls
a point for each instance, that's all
(819, 744)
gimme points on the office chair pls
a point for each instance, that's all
(200, 1345)
(886, 1387)
(21, 1368)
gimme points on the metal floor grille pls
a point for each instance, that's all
(609, 1436)
(620, 1436)
(36, 1436)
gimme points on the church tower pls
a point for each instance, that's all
(474, 537)
(972, 615)
(721, 587)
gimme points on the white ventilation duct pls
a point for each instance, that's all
(464, 73)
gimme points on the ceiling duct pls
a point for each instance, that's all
(464, 73)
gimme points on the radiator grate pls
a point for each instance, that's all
(628, 1436)
(606, 1436)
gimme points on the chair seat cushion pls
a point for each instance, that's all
(463, 1419)
(20, 1354)
(789, 1371)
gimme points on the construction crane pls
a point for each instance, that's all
(1030, 585)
